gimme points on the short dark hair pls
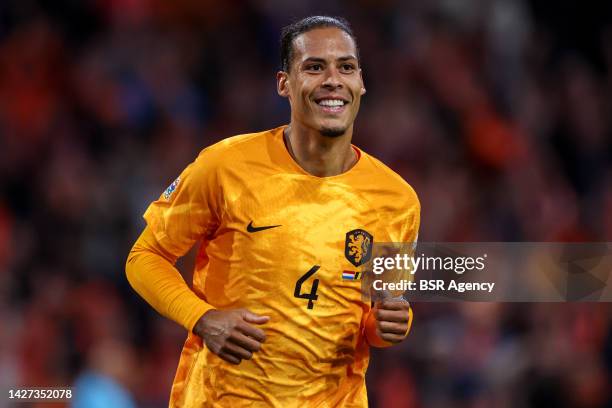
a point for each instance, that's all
(290, 32)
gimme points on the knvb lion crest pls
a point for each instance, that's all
(358, 246)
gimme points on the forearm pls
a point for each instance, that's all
(153, 276)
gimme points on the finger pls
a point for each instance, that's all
(245, 342)
(390, 304)
(237, 351)
(251, 331)
(230, 358)
(389, 337)
(393, 328)
(254, 318)
(391, 315)
(392, 338)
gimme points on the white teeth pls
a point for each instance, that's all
(331, 102)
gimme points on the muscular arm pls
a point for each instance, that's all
(228, 334)
(151, 272)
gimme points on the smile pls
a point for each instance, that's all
(332, 105)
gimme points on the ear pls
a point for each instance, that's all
(282, 84)
(363, 90)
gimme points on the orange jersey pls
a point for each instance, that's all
(281, 243)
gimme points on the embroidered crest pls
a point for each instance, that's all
(358, 246)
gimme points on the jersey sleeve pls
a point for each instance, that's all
(189, 209)
(410, 220)
(404, 221)
(151, 273)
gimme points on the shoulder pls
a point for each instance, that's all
(386, 181)
(393, 199)
(235, 149)
(239, 144)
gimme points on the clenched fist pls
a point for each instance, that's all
(393, 319)
(230, 335)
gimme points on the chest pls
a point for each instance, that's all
(297, 220)
(289, 232)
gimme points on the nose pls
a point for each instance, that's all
(332, 79)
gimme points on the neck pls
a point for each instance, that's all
(319, 155)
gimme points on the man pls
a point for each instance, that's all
(286, 218)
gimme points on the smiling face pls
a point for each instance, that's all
(324, 84)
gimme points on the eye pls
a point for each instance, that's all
(347, 67)
(314, 67)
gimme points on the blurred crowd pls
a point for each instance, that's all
(497, 112)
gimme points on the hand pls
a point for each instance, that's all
(393, 319)
(228, 334)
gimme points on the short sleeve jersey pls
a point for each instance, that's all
(282, 243)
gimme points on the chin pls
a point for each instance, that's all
(332, 131)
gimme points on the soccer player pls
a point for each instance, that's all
(286, 219)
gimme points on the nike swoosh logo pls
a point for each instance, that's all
(251, 228)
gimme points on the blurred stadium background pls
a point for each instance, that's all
(497, 112)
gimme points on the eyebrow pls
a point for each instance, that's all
(317, 59)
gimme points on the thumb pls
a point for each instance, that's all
(251, 317)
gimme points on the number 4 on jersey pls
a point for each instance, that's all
(312, 296)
